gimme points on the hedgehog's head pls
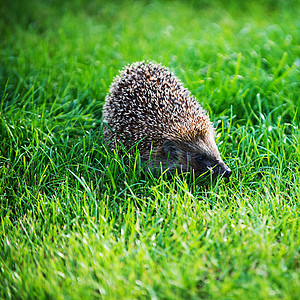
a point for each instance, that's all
(200, 155)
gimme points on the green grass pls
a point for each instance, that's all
(79, 221)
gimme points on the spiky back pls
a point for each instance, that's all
(146, 101)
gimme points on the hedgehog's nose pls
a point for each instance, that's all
(224, 170)
(227, 173)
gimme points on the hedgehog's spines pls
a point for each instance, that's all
(147, 100)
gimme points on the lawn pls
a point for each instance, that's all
(78, 220)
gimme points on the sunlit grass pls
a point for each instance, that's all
(80, 221)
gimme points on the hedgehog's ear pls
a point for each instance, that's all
(170, 148)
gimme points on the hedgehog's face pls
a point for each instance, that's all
(201, 156)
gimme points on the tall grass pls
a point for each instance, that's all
(79, 220)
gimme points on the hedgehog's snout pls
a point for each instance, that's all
(225, 170)
(222, 169)
(227, 173)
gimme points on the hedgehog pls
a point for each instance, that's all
(149, 107)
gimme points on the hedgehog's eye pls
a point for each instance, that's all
(200, 158)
